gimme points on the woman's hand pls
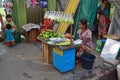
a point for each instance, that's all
(87, 49)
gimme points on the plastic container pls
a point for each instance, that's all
(66, 61)
(87, 60)
(100, 45)
(118, 71)
(103, 40)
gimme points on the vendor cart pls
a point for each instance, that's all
(62, 57)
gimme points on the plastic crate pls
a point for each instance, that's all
(64, 60)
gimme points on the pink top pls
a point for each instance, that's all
(84, 36)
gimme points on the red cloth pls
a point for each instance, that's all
(47, 24)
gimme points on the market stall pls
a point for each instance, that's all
(47, 33)
(47, 48)
(59, 50)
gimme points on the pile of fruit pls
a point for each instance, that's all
(44, 35)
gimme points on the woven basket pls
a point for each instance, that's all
(32, 35)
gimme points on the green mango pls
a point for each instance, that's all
(47, 33)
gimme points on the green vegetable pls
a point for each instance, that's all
(48, 34)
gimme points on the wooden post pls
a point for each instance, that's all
(47, 53)
(71, 34)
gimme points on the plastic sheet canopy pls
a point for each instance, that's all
(87, 10)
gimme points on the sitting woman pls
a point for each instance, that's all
(10, 41)
(85, 34)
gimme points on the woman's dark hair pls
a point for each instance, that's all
(84, 22)
(8, 16)
(8, 26)
(103, 1)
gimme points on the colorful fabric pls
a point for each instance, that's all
(103, 24)
(9, 36)
(106, 10)
(103, 20)
(86, 35)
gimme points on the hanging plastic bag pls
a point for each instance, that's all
(44, 3)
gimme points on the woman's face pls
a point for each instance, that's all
(9, 19)
(81, 26)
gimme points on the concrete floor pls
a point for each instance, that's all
(24, 62)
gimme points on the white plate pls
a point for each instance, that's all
(78, 41)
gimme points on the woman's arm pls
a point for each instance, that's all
(88, 37)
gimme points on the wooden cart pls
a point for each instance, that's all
(47, 50)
